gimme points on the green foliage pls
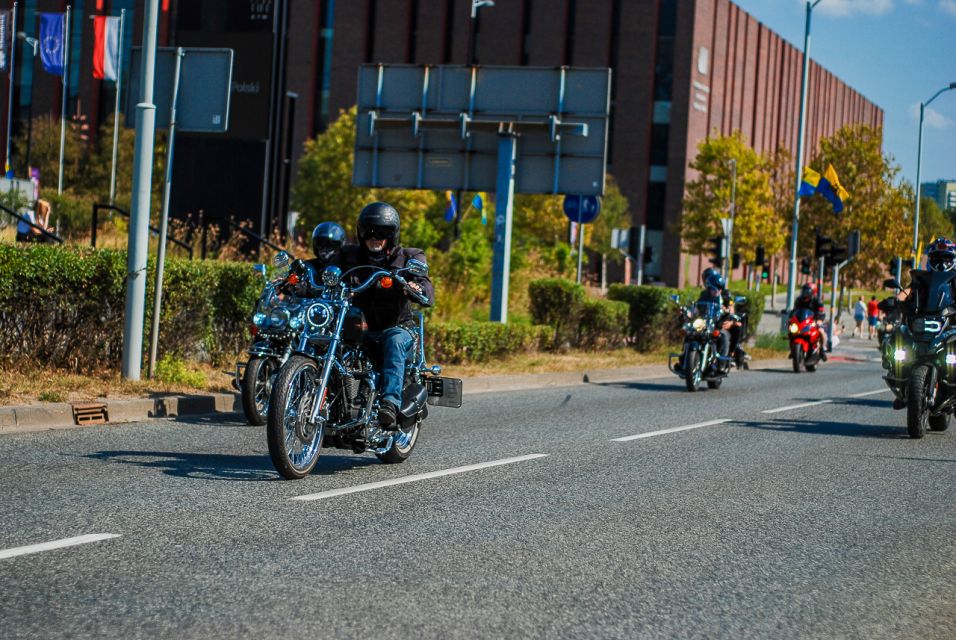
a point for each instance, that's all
(876, 205)
(651, 316)
(50, 396)
(461, 342)
(557, 302)
(603, 324)
(173, 370)
(772, 341)
(933, 222)
(65, 306)
(708, 198)
(71, 213)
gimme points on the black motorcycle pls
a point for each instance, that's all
(700, 359)
(920, 354)
(274, 332)
(326, 394)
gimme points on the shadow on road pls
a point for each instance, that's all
(829, 428)
(214, 466)
(675, 387)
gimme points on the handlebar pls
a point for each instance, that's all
(380, 273)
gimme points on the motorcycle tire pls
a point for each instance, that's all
(917, 409)
(256, 389)
(294, 445)
(714, 384)
(939, 423)
(810, 367)
(796, 353)
(402, 445)
(692, 371)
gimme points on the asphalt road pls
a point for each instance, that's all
(760, 521)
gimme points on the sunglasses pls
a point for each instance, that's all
(379, 233)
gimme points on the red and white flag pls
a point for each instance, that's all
(105, 47)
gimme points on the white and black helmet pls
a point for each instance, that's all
(941, 255)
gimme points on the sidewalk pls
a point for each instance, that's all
(64, 415)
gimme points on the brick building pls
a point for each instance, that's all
(681, 69)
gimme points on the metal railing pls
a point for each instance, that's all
(96, 214)
(205, 222)
(23, 218)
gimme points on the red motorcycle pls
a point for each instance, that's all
(806, 341)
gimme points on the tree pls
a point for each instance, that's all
(933, 222)
(875, 206)
(708, 198)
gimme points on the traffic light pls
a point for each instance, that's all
(805, 266)
(822, 246)
(716, 249)
(735, 261)
(909, 263)
(760, 258)
(895, 265)
(853, 243)
(765, 272)
(836, 255)
(648, 254)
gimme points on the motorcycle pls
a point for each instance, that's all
(274, 334)
(326, 393)
(700, 360)
(806, 340)
(920, 355)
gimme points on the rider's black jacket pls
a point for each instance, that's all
(813, 304)
(385, 308)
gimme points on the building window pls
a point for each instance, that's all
(659, 137)
(324, 65)
(656, 200)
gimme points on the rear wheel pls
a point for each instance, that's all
(917, 405)
(294, 442)
(402, 444)
(257, 388)
(939, 423)
(692, 370)
(714, 384)
(796, 354)
(810, 367)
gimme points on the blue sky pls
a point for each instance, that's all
(897, 53)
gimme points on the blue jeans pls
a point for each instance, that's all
(396, 344)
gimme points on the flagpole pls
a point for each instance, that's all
(66, 90)
(116, 108)
(13, 49)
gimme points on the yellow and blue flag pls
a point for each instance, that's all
(828, 185)
(451, 211)
(479, 204)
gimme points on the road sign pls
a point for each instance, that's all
(582, 209)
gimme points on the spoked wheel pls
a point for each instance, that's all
(939, 423)
(920, 397)
(257, 389)
(692, 370)
(796, 354)
(294, 442)
(402, 444)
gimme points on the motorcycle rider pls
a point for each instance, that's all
(328, 238)
(716, 291)
(736, 327)
(387, 310)
(940, 256)
(808, 300)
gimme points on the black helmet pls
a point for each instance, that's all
(807, 291)
(941, 255)
(716, 281)
(379, 220)
(707, 274)
(327, 241)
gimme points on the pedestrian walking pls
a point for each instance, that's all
(859, 316)
(873, 313)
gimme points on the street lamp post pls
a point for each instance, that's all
(791, 285)
(919, 158)
(729, 271)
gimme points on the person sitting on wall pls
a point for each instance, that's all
(40, 217)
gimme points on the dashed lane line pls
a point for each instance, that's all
(55, 544)
(415, 478)
(797, 406)
(651, 434)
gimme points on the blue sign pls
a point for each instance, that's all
(582, 209)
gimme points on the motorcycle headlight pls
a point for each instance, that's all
(295, 322)
(699, 324)
(258, 318)
(278, 319)
(951, 358)
(899, 355)
(794, 327)
(319, 314)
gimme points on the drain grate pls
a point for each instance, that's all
(90, 413)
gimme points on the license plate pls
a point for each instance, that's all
(444, 392)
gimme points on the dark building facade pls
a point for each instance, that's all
(682, 70)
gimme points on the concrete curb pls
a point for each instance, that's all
(59, 415)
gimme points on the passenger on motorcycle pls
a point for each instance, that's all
(328, 238)
(387, 310)
(808, 300)
(940, 256)
(715, 291)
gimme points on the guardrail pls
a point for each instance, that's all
(109, 207)
(22, 218)
(205, 222)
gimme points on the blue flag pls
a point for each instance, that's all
(51, 42)
(477, 203)
(451, 211)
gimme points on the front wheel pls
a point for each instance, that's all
(939, 423)
(692, 370)
(294, 442)
(796, 354)
(917, 406)
(257, 388)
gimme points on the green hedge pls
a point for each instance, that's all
(458, 342)
(604, 324)
(65, 307)
(557, 302)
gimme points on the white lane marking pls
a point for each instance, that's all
(796, 406)
(415, 478)
(869, 393)
(56, 544)
(671, 430)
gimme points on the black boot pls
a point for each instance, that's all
(387, 412)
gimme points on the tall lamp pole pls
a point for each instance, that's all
(729, 270)
(919, 158)
(792, 284)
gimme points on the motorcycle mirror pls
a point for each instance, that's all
(892, 283)
(676, 299)
(417, 267)
(282, 259)
(260, 269)
(740, 299)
